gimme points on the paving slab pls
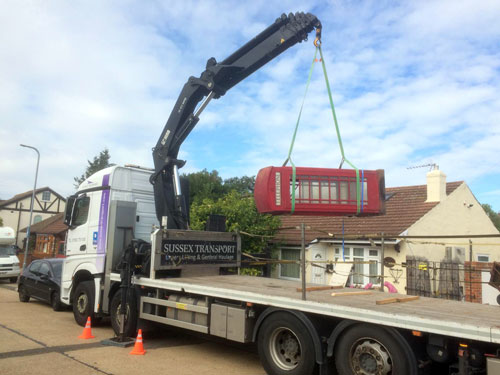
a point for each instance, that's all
(51, 363)
(13, 341)
(207, 358)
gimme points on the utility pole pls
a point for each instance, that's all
(31, 205)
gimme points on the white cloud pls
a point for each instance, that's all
(412, 83)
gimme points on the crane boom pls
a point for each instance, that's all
(213, 83)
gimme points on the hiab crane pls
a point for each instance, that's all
(214, 82)
(115, 266)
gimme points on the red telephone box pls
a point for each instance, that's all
(319, 191)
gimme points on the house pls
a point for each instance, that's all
(15, 212)
(400, 245)
(49, 237)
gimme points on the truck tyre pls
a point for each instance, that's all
(23, 294)
(285, 346)
(130, 326)
(366, 349)
(83, 302)
(55, 301)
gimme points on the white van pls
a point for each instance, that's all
(9, 262)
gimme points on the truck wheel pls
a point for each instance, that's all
(23, 294)
(365, 349)
(285, 346)
(55, 301)
(130, 326)
(13, 279)
(83, 302)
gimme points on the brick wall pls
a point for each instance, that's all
(473, 286)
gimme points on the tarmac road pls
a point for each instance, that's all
(34, 339)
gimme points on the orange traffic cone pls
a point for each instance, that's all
(138, 348)
(87, 333)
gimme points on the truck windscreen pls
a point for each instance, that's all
(6, 250)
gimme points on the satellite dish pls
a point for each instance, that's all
(389, 262)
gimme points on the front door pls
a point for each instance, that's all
(318, 254)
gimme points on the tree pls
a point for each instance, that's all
(100, 162)
(494, 217)
(241, 215)
(204, 185)
(1, 222)
(243, 185)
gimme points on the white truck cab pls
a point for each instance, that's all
(90, 232)
(9, 262)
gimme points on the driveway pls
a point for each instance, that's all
(35, 339)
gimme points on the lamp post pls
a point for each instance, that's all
(31, 206)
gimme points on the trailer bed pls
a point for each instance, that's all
(451, 318)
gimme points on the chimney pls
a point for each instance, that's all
(436, 185)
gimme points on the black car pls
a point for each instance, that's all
(42, 280)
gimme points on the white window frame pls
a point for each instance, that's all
(46, 199)
(483, 255)
(366, 257)
(280, 265)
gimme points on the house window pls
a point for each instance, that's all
(43, 243)
(362, 273)
(46, 196)
(37, 219)
(483, 258)
(290, 270)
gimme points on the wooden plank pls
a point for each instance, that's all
(394, 300)
(363, 292)
(325, 287)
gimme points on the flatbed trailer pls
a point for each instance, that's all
(464, 320)
(416, 336)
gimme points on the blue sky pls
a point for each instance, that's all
(413, 82)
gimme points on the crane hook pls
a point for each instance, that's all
(317, 40)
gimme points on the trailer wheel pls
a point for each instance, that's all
(130, 326)
(83, 302)
(365, 349)
(285, 346)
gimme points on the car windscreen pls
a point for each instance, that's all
(6, 250)
(57, 268)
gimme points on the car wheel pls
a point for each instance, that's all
(83, 302)
(23, 294)
(130, 314)
(55, 301)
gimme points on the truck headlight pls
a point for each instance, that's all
(16, 264)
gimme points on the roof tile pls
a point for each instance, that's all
(404, 206)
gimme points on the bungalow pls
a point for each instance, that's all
(425, 211)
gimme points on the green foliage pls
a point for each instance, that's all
(241, 215)
(243, 185)
(204, 185)
(100, 162)
(494, 216)
(209, 185)
(1, 222)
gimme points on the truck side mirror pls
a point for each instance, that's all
(69, 210)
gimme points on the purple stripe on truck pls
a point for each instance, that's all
(103, 217)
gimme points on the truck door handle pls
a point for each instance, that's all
(83, 247)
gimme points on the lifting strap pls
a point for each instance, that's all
(289, 157)
(359, 189)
